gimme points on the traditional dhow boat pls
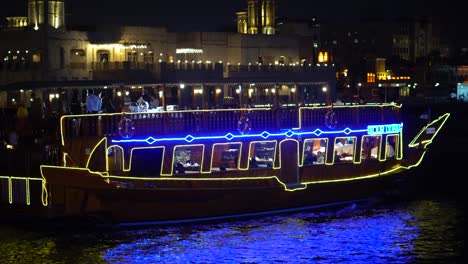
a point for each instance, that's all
(201, 164)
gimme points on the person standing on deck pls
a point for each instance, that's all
(37, 115)
(106, 103)
(92, 102)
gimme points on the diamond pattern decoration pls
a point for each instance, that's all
(150, 140)
(289, 133)
(317, 132)
(229, 136)
(265, 135)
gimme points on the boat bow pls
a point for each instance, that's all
(428, 132)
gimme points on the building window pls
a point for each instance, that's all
(148, 57)
(36, 57)
(77, 59)
(132, 56)
(103, 55)
(281, 60)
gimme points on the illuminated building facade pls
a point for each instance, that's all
(34, 52)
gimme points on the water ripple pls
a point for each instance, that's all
(423, 231)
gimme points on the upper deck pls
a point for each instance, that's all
(221, 121)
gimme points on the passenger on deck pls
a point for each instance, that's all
(154, 102)
(93, 102)
(107, 106)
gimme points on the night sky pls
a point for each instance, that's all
(219, 15)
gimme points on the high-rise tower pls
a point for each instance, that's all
(51, 12)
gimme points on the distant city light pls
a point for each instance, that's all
(188, 51)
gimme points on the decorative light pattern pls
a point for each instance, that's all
(27, 181)
(265, 135)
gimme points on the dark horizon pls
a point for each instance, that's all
(215, 15)
(183, 14)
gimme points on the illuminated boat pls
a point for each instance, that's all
(204, 164)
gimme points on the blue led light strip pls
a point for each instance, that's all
(371, 130)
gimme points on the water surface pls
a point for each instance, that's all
(417, 231)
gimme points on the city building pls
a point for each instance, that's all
(41, 51)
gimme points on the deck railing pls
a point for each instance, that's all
(195, 122)
(20, 190)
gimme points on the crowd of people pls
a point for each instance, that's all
(24, 125)
(28, 121)
(107, 103)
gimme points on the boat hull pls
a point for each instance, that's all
(186, 200)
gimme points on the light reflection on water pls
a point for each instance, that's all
(425, 231)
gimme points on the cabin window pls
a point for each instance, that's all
(187, 159)
(225, 156)
(146, 162)
(344, 149)
(114, 155)
(370, 148)
(262, 154)
(391, 147)
(315, 151)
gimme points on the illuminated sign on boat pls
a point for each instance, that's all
(384, 129)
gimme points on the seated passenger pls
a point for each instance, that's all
(320, 158)
(309, 158)
(374, 152)
(253, 163)
(390, 151)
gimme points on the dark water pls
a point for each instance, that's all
(414, 231)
